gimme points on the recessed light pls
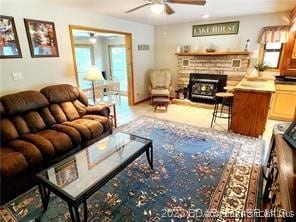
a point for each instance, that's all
(205, 16)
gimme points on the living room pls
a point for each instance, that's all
(168, 42)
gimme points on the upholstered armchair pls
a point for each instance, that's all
(160, 83)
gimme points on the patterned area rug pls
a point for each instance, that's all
(199, 174)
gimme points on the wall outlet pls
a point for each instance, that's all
(17, 76)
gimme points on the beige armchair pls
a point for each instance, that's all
(160, 83)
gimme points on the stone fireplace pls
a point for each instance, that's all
(218, 63)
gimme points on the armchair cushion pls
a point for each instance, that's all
(160, 92)
(160, 79)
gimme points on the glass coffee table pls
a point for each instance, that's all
(79, 176)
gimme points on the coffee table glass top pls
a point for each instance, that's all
(78, 173)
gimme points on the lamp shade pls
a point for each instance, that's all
(93, 73)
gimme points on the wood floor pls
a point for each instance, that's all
(184, 114)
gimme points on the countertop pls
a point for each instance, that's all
(256, 84)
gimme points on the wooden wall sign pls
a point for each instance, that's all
(226, 28)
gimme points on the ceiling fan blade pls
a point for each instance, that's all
(190, 2)
(168, 9)
(134, 9)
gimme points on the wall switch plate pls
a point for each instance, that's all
(17, 76)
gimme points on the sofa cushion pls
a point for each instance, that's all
(70, 131)
(23, 101)
(20, 124)
(69, 110)
(30, 151)
(58, 113)
(43, 144)
(60, 141)
(87, 128)
(102, 119)
(8, 131)
(2, 110)
(80, 107)
(12, 162)
(34, 121)
(47, 116)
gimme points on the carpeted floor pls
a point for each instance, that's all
(195, 169)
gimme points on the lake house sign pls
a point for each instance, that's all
(226, 28)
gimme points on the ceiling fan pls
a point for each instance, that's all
(157, 6)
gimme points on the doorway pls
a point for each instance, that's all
(111, 52)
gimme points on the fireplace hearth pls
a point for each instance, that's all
(203, 87)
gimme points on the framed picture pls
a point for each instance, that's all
(186, 48)
(9, 43)
(290, 134)
(66, 173)
(42, 38)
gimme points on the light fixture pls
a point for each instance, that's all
(205, 16)
(92, 38)
(93, 74)
(157, 7)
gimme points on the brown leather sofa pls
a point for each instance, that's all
(41, 128)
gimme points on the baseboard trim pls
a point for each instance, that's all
(143, 100)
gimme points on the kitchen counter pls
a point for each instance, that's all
(256, 84)
(251, 101)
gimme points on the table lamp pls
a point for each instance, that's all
(93, 74)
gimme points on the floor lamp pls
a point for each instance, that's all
(93, 74)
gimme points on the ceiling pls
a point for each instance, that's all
(216, 9)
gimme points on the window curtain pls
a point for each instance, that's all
(274, 34)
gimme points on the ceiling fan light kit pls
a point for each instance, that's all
(158, 6)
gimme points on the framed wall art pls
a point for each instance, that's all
(9, 43)
(42, 38)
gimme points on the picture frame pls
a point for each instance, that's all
(186, 48)
(290, 134)
(66, 173)
(42, 38)
(9, 43)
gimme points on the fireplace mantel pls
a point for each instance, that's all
(211, 53)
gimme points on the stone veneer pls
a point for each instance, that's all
(211, 64)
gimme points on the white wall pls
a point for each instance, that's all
(40, 72)
(168, 37)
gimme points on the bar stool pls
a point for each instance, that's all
(222, 100)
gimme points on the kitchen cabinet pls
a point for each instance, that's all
(283, 106)
(251, 105)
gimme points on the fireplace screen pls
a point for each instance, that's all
(204, 88)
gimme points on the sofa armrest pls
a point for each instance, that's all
(101, 110)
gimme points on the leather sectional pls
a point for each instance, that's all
(41, 128)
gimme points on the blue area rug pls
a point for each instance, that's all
(199, 174)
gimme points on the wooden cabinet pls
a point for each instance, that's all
(288, 65)
(249, 112)
(283, 105)
(280, 189)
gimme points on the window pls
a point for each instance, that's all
(272, 54)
